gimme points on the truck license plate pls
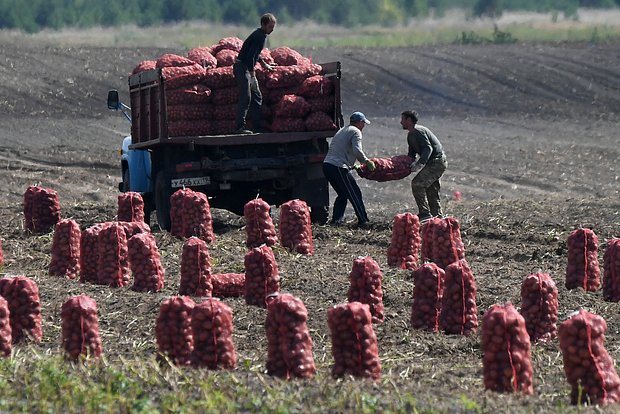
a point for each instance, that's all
(189, 182)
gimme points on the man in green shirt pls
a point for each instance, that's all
(429, 165)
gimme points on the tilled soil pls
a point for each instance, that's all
(532, 143)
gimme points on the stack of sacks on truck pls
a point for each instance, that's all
(202, 93)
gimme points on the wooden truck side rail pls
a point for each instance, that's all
(150, 124)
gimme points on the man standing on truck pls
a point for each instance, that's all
(344, 150)
(250, 97)
(429, 163)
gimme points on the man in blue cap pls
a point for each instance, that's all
(345, 149)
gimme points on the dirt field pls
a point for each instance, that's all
(532, 141)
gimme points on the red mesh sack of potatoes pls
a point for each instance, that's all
(80, 327)
(66, 250)
(405, 242)
(428, 284)
(459, 312)
(507, 360)
(228, 111)
(588, 366)
(295, 228)
(113, 266)
(197, 220)
(226, 96)
(289, 345)
(230, 43)
(218, 78)
(131, 228)
(177, 201)
(172, 60)
(291, 106)
(319, 121)
(365, 286)
(22, 295)
(285, 56)
(285, 76)
(354, 344)
(265, 55)
(195, 127)
(316, 86)
(259, 228)
(388, 169)
(173, 330)
(89, 253)
(41, 209)
(180, 76)
(202, 56)
(195, 269)
(189, 112)
(191, 94)
(144, 66)
(145, 263)
(225, 126)
(611, 266)
(5, 328)
(288, 125)
(445, 241)
(212, 329)
(321, 104)
(582, 269)
(273, 96)
(539, 306)
(130, 207)
(228, 285)
(261, 275)
(226, 57)
(426, 234)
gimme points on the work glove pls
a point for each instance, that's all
(268, 67)
(254, 84)
(416, 166)
(370, 165)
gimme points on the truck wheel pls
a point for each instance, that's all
(319, 214)
(125, 183)
(163, 191)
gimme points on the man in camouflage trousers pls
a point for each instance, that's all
(428, 166)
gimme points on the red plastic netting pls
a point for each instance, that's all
(459, 312)
(228, 285)
(588, 366)
(285, 56)
(172, 60)
(212, 329)
(5, 328)
(388, 169)
(66, 250)
(295, 227)
(226, 57)
(218, 78)
(197, 220)
(230, 43)
(405, 242)
(289, 345)
(22, 294)
(202, 56)
(41, 209)
(89, 253)
(261, 275)
(259, 228)
(507, 361)
(188, 95)
(176, 211)
(145, 263)
(582, 269)
(428, 284)
(225, 96)
(177, 77)
(611, 266)
(539, 306)
(441, 241)
(173, 330)
(319, 121)
(112, 263)
(354, 343)
(291, 106)
(80, 327)
(195, 269)
(144, 66)
(316, 86)
(365, 286)
(130, 207)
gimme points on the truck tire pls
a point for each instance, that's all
(163, 191)
(125, 183)
(319, 214)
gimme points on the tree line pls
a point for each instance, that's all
(35, 15)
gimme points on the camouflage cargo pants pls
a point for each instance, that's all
(425, 187)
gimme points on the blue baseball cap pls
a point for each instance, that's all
(358, 116)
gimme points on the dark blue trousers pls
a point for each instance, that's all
(347, 189)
